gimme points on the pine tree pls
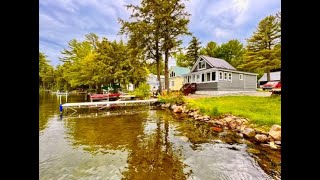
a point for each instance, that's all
(193, 51)
(263, 52)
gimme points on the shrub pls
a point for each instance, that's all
(172, 98)
(142, 91)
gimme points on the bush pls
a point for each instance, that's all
(173, 98)
(142, 91)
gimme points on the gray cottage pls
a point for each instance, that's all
(213, 75)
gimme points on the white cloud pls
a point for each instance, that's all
(222, 20)
(211, 20)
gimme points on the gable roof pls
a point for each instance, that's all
(214, 62)
(274, 76)
(218, 63)
(179, 70)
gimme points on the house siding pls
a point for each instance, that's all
(207, 86)
(247, 84)
(250, 82)
(178, 83)
(207, 67)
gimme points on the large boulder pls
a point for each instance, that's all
(261, 138)
(275, 132)
(248, 132)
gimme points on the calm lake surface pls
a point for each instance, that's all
(142, 143)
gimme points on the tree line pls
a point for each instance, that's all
(153, 31)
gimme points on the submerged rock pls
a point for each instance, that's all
(216, 129)
(239, 135)
(248, 132)
(253, 151)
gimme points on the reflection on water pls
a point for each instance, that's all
(137, 143)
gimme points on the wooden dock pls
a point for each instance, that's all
(103, 104)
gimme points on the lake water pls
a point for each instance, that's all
(142, 143)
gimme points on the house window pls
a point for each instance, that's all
(174, 74)
(202, 77)
(188, 79)
(208, 76)
(229, 76)
(172, 83)
(202, 64)
(213, 76)
(193, 78)
(225, 76)
(198, 77)
(240, 76)
(220, 76)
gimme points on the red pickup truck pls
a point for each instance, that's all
(271, 85)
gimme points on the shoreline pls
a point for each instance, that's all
(239, 125)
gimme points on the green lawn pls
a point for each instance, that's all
(262, 111)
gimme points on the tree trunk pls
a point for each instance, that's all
(158, 64)
(99, 88)
(268, 75)
(166, 71)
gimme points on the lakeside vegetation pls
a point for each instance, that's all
(261, 111)
(154, 33)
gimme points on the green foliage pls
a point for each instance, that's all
(264, 47)
(232, 52)
(46, 72)
(94, 62)
(210, 49)
(193, 51)
(152, 67)
(181, 59)
(172, 98)
(142, 91)
(154, 27)
(262, 111)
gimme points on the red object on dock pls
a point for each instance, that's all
(104, 96)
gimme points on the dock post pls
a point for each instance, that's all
(66, 96)
(61, 108)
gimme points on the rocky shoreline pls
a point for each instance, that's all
(240, 126)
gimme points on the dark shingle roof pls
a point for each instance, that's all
(218, 63)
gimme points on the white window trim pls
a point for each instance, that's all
(206, 76)
(220, 77)
(198, 80)
(205, 64)
(215, 79)
(225, 76)
(205, 73)
(230, 80)
(172, 83)
(240, 76)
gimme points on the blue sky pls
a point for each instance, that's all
(210, 20)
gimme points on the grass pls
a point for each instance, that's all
(263, 112)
